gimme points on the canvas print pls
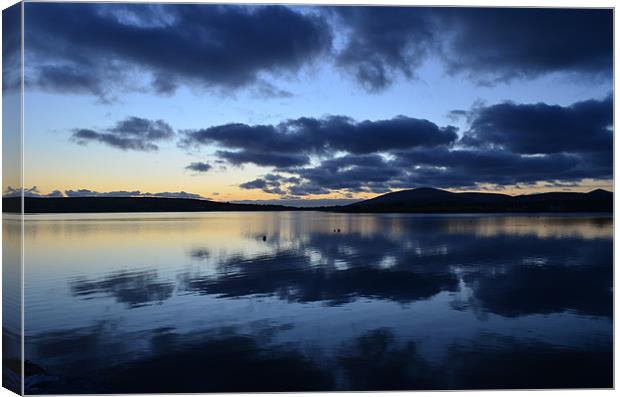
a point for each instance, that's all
(205, 198)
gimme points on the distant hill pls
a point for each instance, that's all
(428, 200)
(421, 200)
(126, 204)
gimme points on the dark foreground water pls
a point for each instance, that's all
(282, 302)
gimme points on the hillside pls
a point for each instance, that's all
(427, 200)
(421, 200)
(127, 204)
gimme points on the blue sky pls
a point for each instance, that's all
(126, 98)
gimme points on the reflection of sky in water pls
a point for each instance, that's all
(418, 294)
(11, 302)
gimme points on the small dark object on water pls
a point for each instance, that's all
(338, 230)
(264, 238)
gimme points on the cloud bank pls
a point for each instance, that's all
(292, 142)
(34, 192)
(105, 50)
(99, 49)
(507, 144)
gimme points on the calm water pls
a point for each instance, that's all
(204, 303)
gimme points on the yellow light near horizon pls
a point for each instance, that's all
(155, 178)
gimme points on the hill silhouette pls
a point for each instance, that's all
(437, 200)
(126, 204)
(419, 200)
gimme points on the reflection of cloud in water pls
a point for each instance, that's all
(522, 290)
(509, 275)
(328, 268)
(213, 361)
(227, 360)
(133, 288)
(273, 275)
(379, 361)
(536, 275)
(391, 302)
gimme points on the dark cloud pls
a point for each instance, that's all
(486, 44)
(384, 42)
(540, 128)
(467, 168)
(255, 184)
(306, 188)
(199, 166)
(72, 79)
(310, 135)
(269, 184)
(11, 48)
(83, 136)
(290, 143)
(263, 158)
(136, 126)
(494, 44)
(77, 48)
(355, 173)
(287, 187)
(133, 133)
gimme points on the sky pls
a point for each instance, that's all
(293, 103)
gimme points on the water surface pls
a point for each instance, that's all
(207, 302)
